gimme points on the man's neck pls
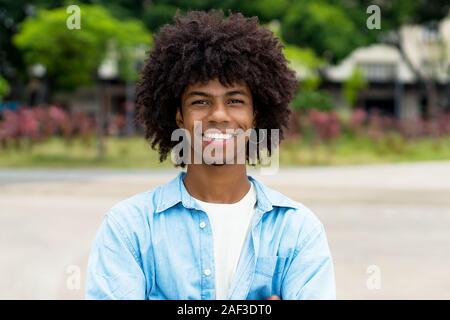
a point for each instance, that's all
(217, 184)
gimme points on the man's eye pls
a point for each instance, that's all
(236, 101)
(201, 102)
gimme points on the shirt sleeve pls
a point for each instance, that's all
(114, 269)
(311, 272)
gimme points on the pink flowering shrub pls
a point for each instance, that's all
(326, 126)
(39, 123)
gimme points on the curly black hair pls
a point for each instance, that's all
(201, 46)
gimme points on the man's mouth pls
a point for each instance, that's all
(218, 136)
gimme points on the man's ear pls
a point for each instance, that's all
(179, 118)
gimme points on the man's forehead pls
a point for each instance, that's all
(215, 87)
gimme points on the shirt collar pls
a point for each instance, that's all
(174, 192)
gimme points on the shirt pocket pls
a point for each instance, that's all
(270, 265)
(267, 278)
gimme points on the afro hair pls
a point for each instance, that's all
(201, 46)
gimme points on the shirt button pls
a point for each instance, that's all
(202, 224)
(207, 272)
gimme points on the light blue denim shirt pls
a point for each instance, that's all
(158, 245)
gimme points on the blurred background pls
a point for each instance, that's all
(367, 148)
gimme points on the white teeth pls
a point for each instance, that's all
(218, 136)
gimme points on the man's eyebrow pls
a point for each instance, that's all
(236, 92)
(198, 93)
(206, 94)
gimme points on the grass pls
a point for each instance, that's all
(56, 152)
(134, 152)
(362, 150)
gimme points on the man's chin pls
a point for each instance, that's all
(218, 162)
(215, 162)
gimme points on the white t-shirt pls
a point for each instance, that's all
(230, 224)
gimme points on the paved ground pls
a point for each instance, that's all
(393, 220)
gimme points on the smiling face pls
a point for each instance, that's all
(222, 112)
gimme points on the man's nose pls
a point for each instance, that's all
(219, 112)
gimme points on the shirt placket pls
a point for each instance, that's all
(247, 263)
(207, 267)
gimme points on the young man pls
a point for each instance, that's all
(213, 232)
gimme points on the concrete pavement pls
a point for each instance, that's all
(387, 225)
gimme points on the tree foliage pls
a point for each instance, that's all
(353, 85)
(72, 57)
(4, 87)
(324, 27)
(330, 29)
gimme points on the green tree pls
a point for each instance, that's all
(72, 57)
(326, 28)
(156, 15)
(311, 99)
(334, 28)
(303, 61)
(4, 88)
(306, 64)
(266, 10)
(353, 85)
